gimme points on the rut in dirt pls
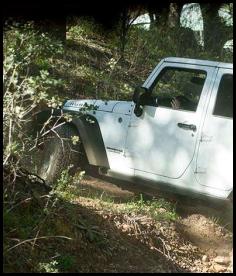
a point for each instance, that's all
(206, 224)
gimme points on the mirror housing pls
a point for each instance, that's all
(142, 97)
(138, 110)
(138, 91)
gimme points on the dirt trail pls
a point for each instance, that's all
(204, 225)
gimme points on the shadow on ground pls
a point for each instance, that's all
(206, 224)
(96, 245)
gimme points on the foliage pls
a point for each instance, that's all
(29, 84)
(91, 231)
(83, 28)
(97, 71)
(61, 264)
(67, 185)
(158, 209)
(33, 230)
(50, 267)
(64, 180)
(28, 58)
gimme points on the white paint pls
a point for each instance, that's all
(216, 155)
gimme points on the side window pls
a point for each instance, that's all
(179, 88)
(224, 100)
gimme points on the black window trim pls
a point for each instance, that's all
(180, 69)
(213, 110)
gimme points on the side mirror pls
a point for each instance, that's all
(138, 110)
(142, 97)
(137, 99)
(138, 92)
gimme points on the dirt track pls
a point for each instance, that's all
(205, 225)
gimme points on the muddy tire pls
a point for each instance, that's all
(58, 153)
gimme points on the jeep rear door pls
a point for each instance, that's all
(163, 140)
(214, 166)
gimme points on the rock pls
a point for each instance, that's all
(230, 269)
(221, 260)
(219, 268)
(125, 227)
(197, 262)
(205, 258)
(205, 269)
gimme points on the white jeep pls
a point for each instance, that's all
(177, 131)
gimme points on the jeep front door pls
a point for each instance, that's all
(162, 141)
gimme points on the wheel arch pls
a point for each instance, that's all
(91, 137)
(88, 131)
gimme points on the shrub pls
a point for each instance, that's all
(28, 84)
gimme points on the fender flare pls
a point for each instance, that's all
(88, 131)
(91, 137)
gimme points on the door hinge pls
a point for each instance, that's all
(205, 138)
(200, 170)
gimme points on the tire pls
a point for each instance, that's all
(58, 153)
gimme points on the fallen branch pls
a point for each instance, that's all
(33, 239)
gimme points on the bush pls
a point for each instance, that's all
(28, 84)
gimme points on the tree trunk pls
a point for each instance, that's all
(215, 32)
(123, 33)
(174, 14)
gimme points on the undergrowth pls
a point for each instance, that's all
(157, 209)
(37, 225)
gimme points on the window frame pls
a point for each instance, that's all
(183, 69)
(210, 72)
(221, 74)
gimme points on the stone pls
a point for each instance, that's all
(205, 269)
(221, 260)
(219, 268)
(197, 262)
(205, 258)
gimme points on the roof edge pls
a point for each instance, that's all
(199, 62)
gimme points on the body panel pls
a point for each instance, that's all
(155, 143)
(214, 160)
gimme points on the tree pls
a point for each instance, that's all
(216, 32)
(128, 16)
(167, 13)
(174, 14)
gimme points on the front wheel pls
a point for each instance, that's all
(58, 153)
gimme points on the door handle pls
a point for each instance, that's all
(187, 126)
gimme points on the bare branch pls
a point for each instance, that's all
(33, 239)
